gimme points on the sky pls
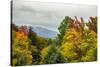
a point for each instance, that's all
(48, 15)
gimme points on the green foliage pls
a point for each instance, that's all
(51, 55)
(35, 54)
(64, 26)
(32, 36)
(41, 43)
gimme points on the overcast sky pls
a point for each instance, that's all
(48, 14)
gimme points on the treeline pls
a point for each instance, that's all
(76, 42)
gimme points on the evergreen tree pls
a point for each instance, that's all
(64, 26)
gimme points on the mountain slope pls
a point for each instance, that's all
(44, 32)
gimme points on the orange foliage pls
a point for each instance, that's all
(20, 35)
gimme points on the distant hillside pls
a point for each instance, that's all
(44, 32)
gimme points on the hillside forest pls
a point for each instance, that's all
(75, 42)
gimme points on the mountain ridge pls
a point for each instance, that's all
(44, 32)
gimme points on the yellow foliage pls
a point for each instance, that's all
(14, 61)
(67, 50)
(29, 59)
(76, 47)
(44, 51)
(93, 33)
(72, 31)
(87, 58)
(21, 51)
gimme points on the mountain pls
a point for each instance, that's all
(44, 32)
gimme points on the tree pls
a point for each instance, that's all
(21, 54)
(70, 46)
(92, 24)
(51, 55)
(14, 27)
(76, 47)
(89, 47)
(41, 43)
(32, 36)
(64, 26)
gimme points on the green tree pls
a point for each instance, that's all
(64, 26)
(32, 36)
(51, 55)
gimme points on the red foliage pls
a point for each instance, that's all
(23, 29)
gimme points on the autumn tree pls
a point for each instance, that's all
(92, 24)
(21, 53)
(76, 47)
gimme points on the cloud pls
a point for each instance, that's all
(48, 14)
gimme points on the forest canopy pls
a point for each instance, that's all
(75, 42)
